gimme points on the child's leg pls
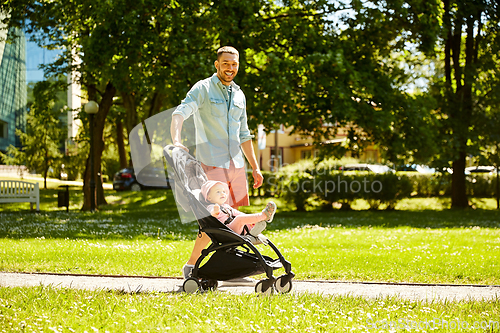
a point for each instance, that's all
(269, 211)
(244, 219)
(259, 220)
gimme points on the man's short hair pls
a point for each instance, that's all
(227, 49)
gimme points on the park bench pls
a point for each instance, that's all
(20, 191)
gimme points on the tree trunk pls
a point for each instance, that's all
(458, 184)
(46, 170)
(130, 109)
(155, 105)
(461, 104)
(99, 121)
(120, 141)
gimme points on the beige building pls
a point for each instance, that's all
(293, 148)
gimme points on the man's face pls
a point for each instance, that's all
(227, 67)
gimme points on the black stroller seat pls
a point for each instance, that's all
(230, 255)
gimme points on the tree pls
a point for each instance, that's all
(456, 117)
(306, 69)
(300, 66)
(162, 52)
(466, 86)
(44, 134)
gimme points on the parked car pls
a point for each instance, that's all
(481, 169)
(149, 178)
(376, 168)
(416, 168)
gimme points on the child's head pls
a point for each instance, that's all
(215, 192)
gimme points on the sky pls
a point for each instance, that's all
(35, 56)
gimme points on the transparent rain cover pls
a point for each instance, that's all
(148, 141)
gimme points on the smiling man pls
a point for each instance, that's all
(223, 139)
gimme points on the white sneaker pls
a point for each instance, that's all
(270, 210)
(187, 271)
(246, 281)
(258, 228)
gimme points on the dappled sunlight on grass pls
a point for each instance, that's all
(414, 245)
(405, 254)
(51, 309)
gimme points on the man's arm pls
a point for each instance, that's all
(189, 105)
(247, 148)
(175, 131)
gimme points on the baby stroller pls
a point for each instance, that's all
(230, 255)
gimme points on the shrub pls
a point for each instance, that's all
(309, 185)
(324, 189)
(429, 185)
(270, 187)
(297, 189)
(481, 185)
(392, 189)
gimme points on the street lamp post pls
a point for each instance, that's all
(91, 108)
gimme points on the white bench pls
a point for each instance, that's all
(20, 191)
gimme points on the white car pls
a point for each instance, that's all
(481, 169)
(376, 168)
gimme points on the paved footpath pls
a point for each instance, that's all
(149, 284)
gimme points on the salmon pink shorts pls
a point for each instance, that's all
(235, 178)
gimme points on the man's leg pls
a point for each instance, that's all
(239, 194)
(238, 186)
(235, 178)
(199, 244)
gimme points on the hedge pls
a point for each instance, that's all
(322, 185)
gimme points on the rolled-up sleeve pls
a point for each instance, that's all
(245, 134)
(193, 101)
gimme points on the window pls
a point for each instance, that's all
(273, 159)
(305, 154)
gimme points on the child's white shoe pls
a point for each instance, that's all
(269, 211)
(258, 228)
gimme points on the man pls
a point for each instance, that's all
(218, 106)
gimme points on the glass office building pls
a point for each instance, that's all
(13, 89)
(20, 61)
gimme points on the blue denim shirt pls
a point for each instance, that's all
(219, 130)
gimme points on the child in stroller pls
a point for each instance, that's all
(216, 193)
(230, 255)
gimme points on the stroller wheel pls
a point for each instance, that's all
(264, 287)
(191, 285)
(283, 284)
(209, 284)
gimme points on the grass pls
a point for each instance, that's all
(47, 309)
(140, 234)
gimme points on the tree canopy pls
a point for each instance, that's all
(314, 65)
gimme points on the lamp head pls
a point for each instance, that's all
(91, 107)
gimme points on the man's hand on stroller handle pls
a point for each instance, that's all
(180, 145)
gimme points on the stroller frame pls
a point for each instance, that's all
(232, 255)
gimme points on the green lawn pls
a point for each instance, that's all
(140, 234)
(46, 309)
